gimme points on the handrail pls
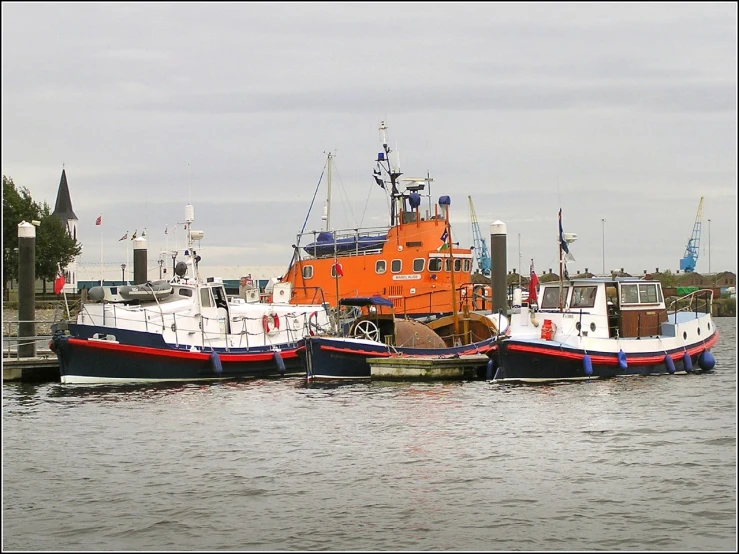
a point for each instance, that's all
(707, 297)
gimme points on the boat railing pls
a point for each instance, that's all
(376, 234)
(698, 301)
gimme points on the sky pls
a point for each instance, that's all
(622, 115)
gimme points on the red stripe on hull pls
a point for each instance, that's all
(633, 358)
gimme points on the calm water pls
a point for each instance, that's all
(639, 463)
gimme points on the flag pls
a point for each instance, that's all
(563, 243)
(442, 247)
(338, 270)
(134, 234)
(59, 282)
(533, 285)
(444, 236)
(124, 237)
(99, 220)
(378, 177)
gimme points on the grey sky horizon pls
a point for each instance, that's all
(623, 112)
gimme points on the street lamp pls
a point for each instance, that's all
(123, 273)
(603, 223)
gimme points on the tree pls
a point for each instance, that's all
(53, 243)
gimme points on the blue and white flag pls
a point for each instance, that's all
(444, 236)
(568, 257)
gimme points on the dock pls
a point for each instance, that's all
(44, 367)
(428, 367)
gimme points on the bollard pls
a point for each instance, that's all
(26, 290)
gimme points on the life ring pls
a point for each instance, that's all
(271, 323)
(313, 326)
(477, 296)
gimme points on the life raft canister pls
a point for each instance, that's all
(271, 323)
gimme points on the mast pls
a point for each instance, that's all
(327, 208)
(392, 172)
(559, 241)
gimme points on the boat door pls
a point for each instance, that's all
(214, 310)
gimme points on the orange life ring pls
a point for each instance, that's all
(271, 323)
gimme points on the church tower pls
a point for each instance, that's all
(64, 212)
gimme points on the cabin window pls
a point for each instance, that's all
(550, 299)
(629, 294)
(583, 297)
(205, 299)
(307, 271)
(418, 265)
(380, 267)
(186, 292)
(396, 266)
(457, 265)
(447, 264)
(648, 294)
(659, 294)
(435, 264)
(467, 266)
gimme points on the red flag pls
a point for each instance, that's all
(338, 270)
(533, 284)
(99, 220)
(59, 283)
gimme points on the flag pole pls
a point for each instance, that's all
(101, 250)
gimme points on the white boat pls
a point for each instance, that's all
(182, 330)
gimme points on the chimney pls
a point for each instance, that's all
(550, 270)
(645, 272)
(656, 270)
(622, 270)
(586, 270)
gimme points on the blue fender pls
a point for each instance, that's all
(622, 360)
(706, 360)
(215, 363)
(687, 362)
(489, 372)
(587, 365)
(279, 361)
(669, 364)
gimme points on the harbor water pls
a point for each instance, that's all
(636, 463)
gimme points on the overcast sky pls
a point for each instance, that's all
(623, 112)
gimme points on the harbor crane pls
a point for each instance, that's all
(690, 258)
(481, 248)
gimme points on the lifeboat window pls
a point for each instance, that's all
(447, 264)
(380, 267)
(467, 266)
(396, 266)
(583, 297)
(457, 265)
(435, 264)
(307, 271)
(550, 298)
(185, 292)
(418, 265)
(648, 294)
(205, 299)
(629, 294)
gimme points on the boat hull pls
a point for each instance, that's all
(539, 360)
(99, 360)
(339, 358)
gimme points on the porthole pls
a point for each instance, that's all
(592, 326)
(699, 331)
(685, 335)
(709, 326)
(577, 325)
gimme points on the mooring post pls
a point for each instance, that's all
(499, 267)
(139, 261)
(26, 290)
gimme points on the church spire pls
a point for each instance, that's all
(63, 209)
